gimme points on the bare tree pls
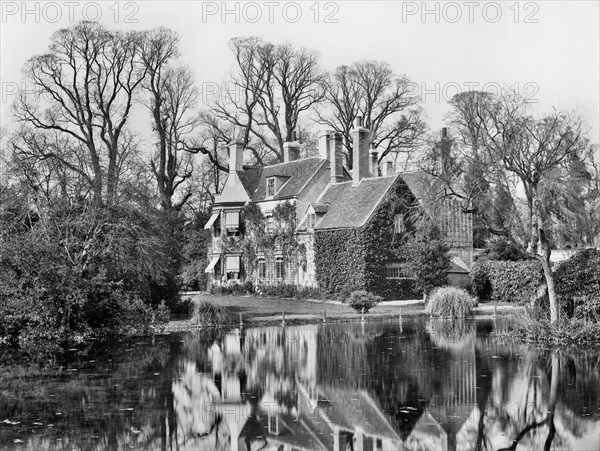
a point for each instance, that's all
(88, 80)
(371, 89)
(272, 86)
(172, 102)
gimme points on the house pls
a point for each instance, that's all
(311, 222)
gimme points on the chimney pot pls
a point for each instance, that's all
(444, 133)
(358, 121)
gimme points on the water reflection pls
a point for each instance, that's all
(423, 385)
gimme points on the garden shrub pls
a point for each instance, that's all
(210, 315)
(362, 299)
(506, 281)
(450, 302)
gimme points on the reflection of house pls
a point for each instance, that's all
(326, 200)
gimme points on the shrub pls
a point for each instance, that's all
(535, 326)
(185, 307)
(506, 281)
(450, 302)
(362, 299)
(577, 282)
(500, 248)
(211, 315)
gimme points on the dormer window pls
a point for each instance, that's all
(311, 220)
(270, 186)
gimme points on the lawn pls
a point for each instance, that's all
(268, 310)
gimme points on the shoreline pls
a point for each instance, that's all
(262, 311)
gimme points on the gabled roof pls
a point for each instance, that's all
(425, 187)
(298, 172)
(351, 206)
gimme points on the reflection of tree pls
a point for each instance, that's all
(549, 419)
(200, 425)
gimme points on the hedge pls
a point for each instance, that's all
(577, 281)
(506, 281)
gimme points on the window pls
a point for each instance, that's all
(399, 226)
(396, 271)
(262, 268)
(270, 225)
(279, 268)
(271, 186)
(232, 220)
(232, 267)
(311, 219)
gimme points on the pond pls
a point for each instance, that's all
(412, 385)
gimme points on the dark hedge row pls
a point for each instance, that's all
(506, 281)
(578, 283)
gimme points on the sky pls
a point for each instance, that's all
(547, 50)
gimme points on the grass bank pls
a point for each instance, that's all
(258, 311)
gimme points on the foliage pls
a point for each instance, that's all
(80, 272)
(500, 248)
(235, 288)
(425, 255)
(506, 281)
(339, 260)
(362, 299)
(450, 302)
(355, 259)
(257, 240)
(579, 278)
(194, 257)
(208, 314)
(535, 326)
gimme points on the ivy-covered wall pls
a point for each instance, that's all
(349, 259)
(339, 260)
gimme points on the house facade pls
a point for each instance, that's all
(311, 222)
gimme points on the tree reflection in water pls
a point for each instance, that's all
(421, 385)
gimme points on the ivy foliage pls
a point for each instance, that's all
(355, 259)
(257, 240)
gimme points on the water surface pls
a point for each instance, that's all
(415, 385)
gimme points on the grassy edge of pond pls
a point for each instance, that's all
(264, 311)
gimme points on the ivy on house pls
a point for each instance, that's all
(355, 259)
(257, 240)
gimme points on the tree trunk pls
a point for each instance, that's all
(545, 258)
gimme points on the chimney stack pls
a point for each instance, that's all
(291, 150)
(324, 144)
(360, 151)
(374, 161)
(236, 156)
(388, 168)
(336, 155)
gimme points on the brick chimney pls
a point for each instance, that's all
(374, 161)
(336, 156)
(324, 144)
(388, 168)
(291, 150)
(236, 156)
(360, 151)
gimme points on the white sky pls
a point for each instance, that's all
(549, 49)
